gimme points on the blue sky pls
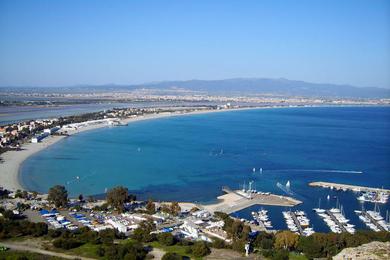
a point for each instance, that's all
(58, 43)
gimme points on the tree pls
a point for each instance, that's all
(286, 240)
(167, 239)
(310, 247)
(218, 243)
(150, 207)
(143, 232)
(34, 194)
(175, 208)
(264, 240)
(171, 256)
(200, 249)
(58, 196)
(280, 255)
(117, 197)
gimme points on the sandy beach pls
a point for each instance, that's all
(9, 169)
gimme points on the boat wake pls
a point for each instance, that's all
(312, 170)
(286, 188)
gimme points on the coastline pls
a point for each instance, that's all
(12, 160)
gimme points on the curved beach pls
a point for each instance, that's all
(9, 169)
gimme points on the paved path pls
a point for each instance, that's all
(20, 247)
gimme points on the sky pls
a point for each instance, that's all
(63, 43)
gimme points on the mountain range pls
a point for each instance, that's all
(242, 86)
(283, 87)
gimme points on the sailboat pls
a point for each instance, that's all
(319, 210)
(288, 185)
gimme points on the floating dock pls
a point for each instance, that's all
(345, 187)
(373, 221)
(296, 221)
(235, 200)
(335, 220)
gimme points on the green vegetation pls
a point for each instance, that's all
(166, 239)
(117, 197)
(236, 230)
(58, 195)
(172, 209)
(143, 232)
(200, 249)
(172, 256)
(10, 228)
(150, 207)
(285, 244)
(179, 249)
(21, 255)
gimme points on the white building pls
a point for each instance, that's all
(117, 225)
(51, 130)
(39, 137)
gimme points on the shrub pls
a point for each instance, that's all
(171, 256)
(280, 255)
(218, 243)
(66, 243)
(166, 239)
(200, 249)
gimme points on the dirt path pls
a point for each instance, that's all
(21, 247)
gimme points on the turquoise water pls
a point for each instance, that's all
(190, 158)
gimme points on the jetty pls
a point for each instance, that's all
(335, 220)
(345, 187)
(296, 221)
(373, 221)
(235, 200)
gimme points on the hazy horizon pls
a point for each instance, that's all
(185, 80)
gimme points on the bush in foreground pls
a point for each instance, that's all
(172, 256)
(200, 249)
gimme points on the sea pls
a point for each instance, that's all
(191, 157)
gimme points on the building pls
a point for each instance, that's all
(39, 137)
(51, 130)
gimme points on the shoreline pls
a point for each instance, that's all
(13, 160)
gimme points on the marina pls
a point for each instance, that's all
(261, 218)
(373, 220)
(335, 220)
(298, 222)
(374, 197)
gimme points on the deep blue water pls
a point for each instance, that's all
(190, 158)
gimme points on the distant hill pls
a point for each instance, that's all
(283, 87)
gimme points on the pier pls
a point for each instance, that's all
(340, 225)
(235, 200)
(294, 217)
(373, 221)
(339, 186)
